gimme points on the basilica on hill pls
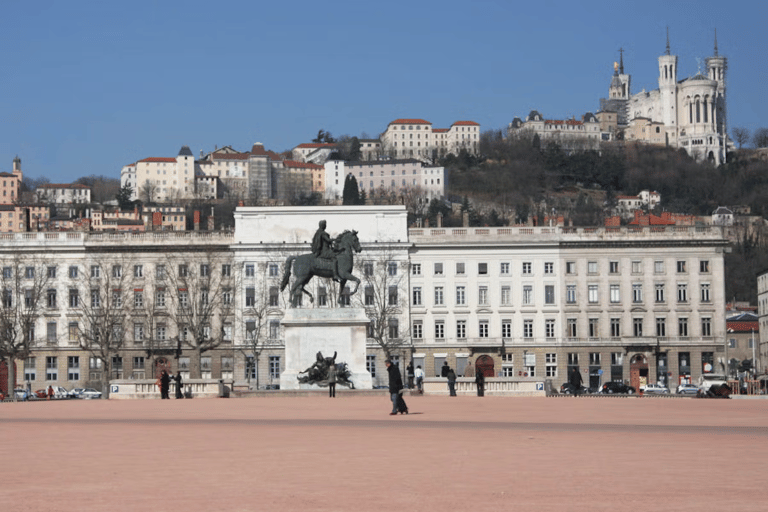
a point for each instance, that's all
(688, 113)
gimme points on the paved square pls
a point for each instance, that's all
(319, 454)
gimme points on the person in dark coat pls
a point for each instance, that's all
(480, 383)
(332, 380)
(395, 385)
(165, 384)
(575, 381)
(409, 371)
(444, 369)
(179, 384)
(451, 376)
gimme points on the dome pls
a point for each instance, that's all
(534, 116)
(185, 151)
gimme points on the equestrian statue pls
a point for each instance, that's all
(330, 258)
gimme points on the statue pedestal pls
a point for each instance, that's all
(309, 331)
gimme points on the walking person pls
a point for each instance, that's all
(332, 381)
(409, 371)
(179, 384)
(165, 383)
(480, 383)
(419, 374)
(575, 381)
(451, 376)
(395, 386)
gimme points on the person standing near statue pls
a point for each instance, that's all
(332, 380)
(179, 384)
(322, 248)
(451, 376)
(409, 371)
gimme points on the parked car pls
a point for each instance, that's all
(75, 393)
(707, 380)
(611, 388)
(58, 392)
(567, 389)
(22, 394)
(655, 389)
(90, 393)
(687, 389)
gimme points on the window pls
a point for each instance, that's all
(7, 272)
(460, 268)
(460, 296)
(392, 296)
(138, 362)
(344, 297)
(183, 298)
(183, 270)
(322, 296)
(659, 292)
(530, 365)
(681, 268)
(51, 370)
(73, 332)
(482, 269)
(550, 360)
(205, 270)
(438, 269)
(637, 267)
(438, 295)
(72, 272)
(732, 343)
(613, 267)
(370, 364)
(682, 292)
(274, 329)
(527, 328)
(138, 271)
(226, 270)
(506, 295)
(95, 299)
(682, 327)
(705, 292)
(418, 330)
(226, 297)
(117, 271)
(549, 294)
(615, 327)
(615, 293)
(549, 328)
(74, 298)
(637, 327)
(250, 297)
(274, 367)
(549, 267)
(160, 332)
(138, 332)
(706, 327)
(570, 294)
(439, 330)
(250, 270)
(160, 272)
(52, 272)
(51, 298)
(570, 329)
(95, 272)
(658, 267)
(594, 327)
(482, 331)
(138, 299)
(661, 327)
(570, 267)
(273, 269)
(160, 297)
(30, 372)
(527, 295)
(416, 295)
(416, 269)
(592, 267)
(504, 268)
(637, 293)
(592, 294)
(526, 268)
(506, 328)
(482, 295)
(367, 269)
(704, 266)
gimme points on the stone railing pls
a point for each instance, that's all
(494, 386)
(127, 389)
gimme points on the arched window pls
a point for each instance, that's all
(698, 111)
(706, 117)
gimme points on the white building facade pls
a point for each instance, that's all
(386, 175)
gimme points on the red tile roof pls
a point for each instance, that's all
(158, 159)
(439, 130)
(258, 149)
(743, 326)
(316, 145)
(275, 157)
(301, 165)
(410, 121)
(466, 123)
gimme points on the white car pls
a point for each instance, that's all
(90, 393)
(687, 389)
(656, 389)
(75, 393)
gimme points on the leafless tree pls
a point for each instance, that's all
(148, 191)
(202, 290)
(741, 136)
(104, 305)
(385, 299)
(25, 281)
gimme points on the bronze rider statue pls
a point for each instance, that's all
(322, 248)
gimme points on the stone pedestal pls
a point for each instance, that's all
(309, 331)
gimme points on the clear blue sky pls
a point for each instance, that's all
(90, 86)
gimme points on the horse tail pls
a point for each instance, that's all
(287, 272)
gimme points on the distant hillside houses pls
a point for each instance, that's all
(626, 205)
(570, 134)
(386, 175)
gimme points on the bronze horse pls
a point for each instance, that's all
(307, 266)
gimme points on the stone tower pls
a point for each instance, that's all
(716, 68)
(668, 92)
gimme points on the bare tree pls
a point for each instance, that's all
(385, 299)
(25, 281)
(741, 136)
(760, 138)
(202, 292)
(148, 191)
(104, 305)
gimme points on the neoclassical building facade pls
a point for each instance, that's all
(637, 304)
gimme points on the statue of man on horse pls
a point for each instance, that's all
(330, 258)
